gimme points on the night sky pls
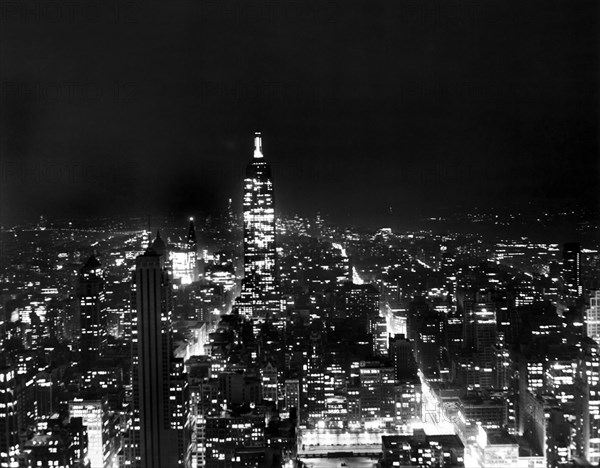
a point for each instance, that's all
(138, 106)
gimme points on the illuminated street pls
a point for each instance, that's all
(350, 462)
(337, 438)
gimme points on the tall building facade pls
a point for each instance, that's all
(571, 270)
(9, 429)
(259, 297)
(161, 425)
(314, 382)
(587, 400)
(94, 416)
(592, 315)
(92, 309)
(183, 258)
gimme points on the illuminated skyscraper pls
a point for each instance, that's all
(571, 270)
(9, 430)
(92, 309)
(314, 381)
(592, 315)
(95, 417)
(259, 297)
(191, 237)
(587, 398)
(160, 436)
(183, 257)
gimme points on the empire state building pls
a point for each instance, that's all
(259, 297)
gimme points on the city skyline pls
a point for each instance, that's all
(263, 234)
(385, 346)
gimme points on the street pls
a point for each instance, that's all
(351, 462)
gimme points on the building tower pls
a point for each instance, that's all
(314, 379)
(95, 417)
(192, 254)
(259, 297)
(92, 309)
(191, 237)
(183, 258)
(9, 429)
(161, 429)
(571, 271)
(592, 315)
(587, 401)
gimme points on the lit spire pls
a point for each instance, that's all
(191, 238)
(257, 146)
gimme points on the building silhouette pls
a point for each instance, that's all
(160, 435)
(92, 310)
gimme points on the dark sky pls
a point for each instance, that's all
(137, 106)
